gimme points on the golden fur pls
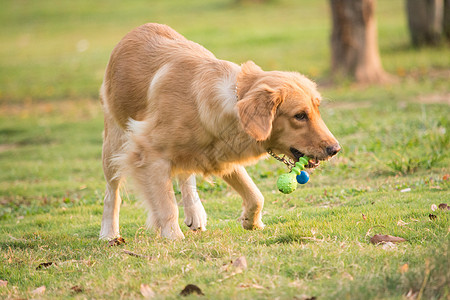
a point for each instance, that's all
(173, 109)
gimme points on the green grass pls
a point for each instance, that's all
(316, 241)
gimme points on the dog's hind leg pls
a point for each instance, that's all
(152, 178)
(112, 142)
(194, 212)
(253, 200)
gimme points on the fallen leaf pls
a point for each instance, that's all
(433, 207)
(403, 269)
(147, 291)
(77, 289)
(432, 217)
(39, 291)
(240, 264)
(3, 282)
(44, 265)
(191, 289)
(445, 177)
(364, 217)
(379, 238)
(444, 206)
(116, 242)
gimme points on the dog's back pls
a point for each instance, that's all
(135, 62)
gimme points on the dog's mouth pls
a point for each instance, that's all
(312, 162)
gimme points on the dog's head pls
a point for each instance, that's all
(281, 110)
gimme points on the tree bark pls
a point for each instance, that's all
(446, 21)
(425, 20)
(354, 45)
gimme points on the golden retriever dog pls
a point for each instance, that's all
(172, 109)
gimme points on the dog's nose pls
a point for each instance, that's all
(333, 149)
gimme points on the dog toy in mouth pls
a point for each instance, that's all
(287, 183)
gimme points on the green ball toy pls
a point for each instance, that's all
(287, 183)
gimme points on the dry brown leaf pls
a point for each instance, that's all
(39, 291)
(44, 265)
(444, 206)
(240, 264)
(364, 217)
(116, 242)
(3, 282)
(77, 289)
(379, 238)
(147, 291)
(432, 217)
(191, 289)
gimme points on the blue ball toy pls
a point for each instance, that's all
(303, 177)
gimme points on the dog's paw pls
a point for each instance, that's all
(107, 235)
(195, 216)
(251, 223)
(172, 232)
(109, 232)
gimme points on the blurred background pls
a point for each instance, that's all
(52, 50)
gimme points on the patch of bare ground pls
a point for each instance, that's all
(346, 105)
(442, 98)
(7, 147)
(72, 109)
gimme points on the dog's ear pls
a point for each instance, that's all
(257, 110)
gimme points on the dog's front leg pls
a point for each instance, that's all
(253, 200)
(195, 215)
(154, 183)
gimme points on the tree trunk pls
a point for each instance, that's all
(425, 21)
(354, 45)
(446, 23)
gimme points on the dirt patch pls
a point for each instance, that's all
(443, 98)
(7, 147)
(72, 109)
(346, 105)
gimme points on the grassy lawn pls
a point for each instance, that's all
(394, 165)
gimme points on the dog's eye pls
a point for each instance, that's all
(301, 116)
